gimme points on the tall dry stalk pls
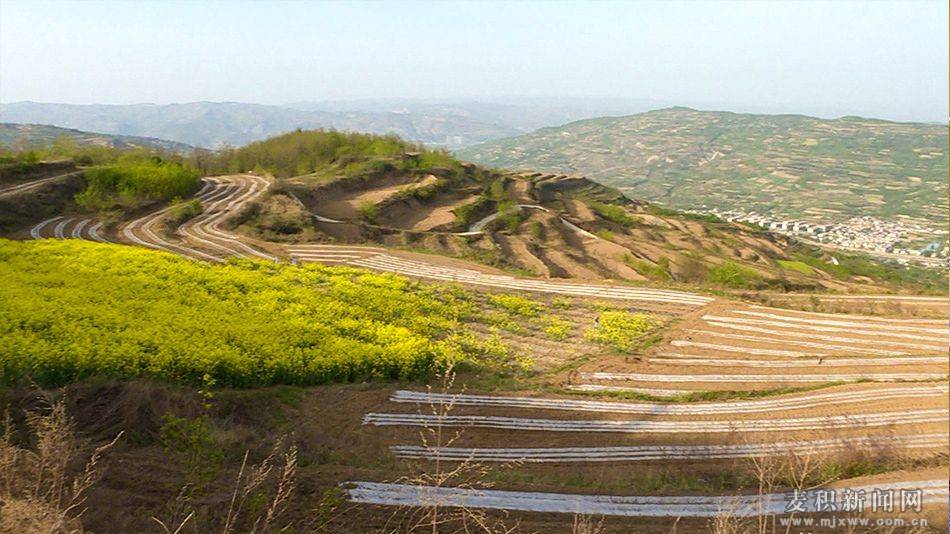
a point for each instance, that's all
(280, 466)
(37, 490)
(467, 474)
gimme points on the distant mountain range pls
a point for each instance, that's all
(42, 135)
(785, 165)
(450, 123)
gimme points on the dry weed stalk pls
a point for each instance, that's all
(587, 524)
(250, 482)
(466, 474)
(38, 492)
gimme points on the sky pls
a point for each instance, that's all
(877, 59)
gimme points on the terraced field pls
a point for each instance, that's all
(790, 166)
(723, 384)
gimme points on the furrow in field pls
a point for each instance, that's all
(59, 230)
(206, 227)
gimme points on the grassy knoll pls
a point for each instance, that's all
(131, 181)
(328, 153)
(70, 310)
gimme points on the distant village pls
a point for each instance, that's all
(864, 233)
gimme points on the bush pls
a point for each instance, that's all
(660, 271)
(307, 151)
(72, 309)
(729, 274)
(368, 210)
(616, 214)
(181, 211)
(465, 213)
(797, 266)
(131, 182)
(621, 330)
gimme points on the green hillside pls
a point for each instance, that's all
(43, 136)
(787, 165)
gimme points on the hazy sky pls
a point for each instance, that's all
(879, 59)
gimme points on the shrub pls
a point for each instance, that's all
(465, 213)
(181, 211)
(798, 266)
(605, 234)
(616, 214)
(368, 210)
(730, 274)
(307, 151)
(131, 182)
(656, 272)
(620, 329)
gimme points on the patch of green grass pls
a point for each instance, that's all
(183, 210)
(613, 213)
(368, 210)
(605, 234)
(131, 181)
(730, 274)
(798, 266)
(654, 272)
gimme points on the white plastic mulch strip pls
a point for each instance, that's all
(934, 491)
(689, 359)
(820, 378)
(665, 427)
(779, 336)
(593, 388)
(669, 452)
(745, 350)
(870, 318)
(819, 328)
(807, 400)
(813, 321)
(420, 269)
(35, 232)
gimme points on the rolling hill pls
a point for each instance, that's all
(41, 135)
(786, 165)
(452, 122)
(212, 124)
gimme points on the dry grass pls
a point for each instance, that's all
(436, 518)
(39, 492)
(259, 498)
